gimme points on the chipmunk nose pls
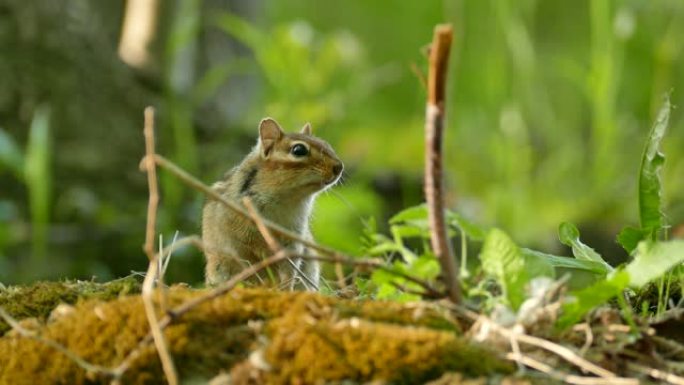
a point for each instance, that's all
(337, 168)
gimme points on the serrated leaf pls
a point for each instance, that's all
(650, 187)
(502, 259)
(653, 260)
(584, 300)
(630, 237)
(569, 235)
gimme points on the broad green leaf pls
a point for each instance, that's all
(10, 155)
(584, 300)
(569, 235)
(653, 260)
(650, 186)
(502, 259)
(418, 216)
(630, 237)
(418, 212)
(569, 263)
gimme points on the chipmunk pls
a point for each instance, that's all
(282, 176)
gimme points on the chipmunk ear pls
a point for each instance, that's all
(269, 133)
(306, 130)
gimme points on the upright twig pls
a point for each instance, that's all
(152, 270)
(151, 169)
(434, 128)
(155, 328)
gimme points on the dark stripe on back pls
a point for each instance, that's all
(249, 180)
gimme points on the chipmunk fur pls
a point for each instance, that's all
(282, 176)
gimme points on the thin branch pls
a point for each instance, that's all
(195, 183)
(155, 328)
(569, 378)
(150, 278)
(657, 374)
(85, 365)
(272, 243)
(552, 347)
(191, 304)
(151, 169)
(434, 178)
(193, 240)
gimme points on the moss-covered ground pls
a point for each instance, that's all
(252, 336)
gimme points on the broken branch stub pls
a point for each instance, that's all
(434, 178)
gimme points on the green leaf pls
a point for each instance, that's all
(37, 174)
(650, 187)
(569, 263)
(10, 155)
(418, 212)
(240, 29)
(502, 259)
(584, 300)
(471, 229)
(569, 235)
(630, 237)
(653, 260)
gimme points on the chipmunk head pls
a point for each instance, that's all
(300, 160)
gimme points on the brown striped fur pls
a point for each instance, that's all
(283, 187)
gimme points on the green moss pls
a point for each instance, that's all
(304, 337)
(39, 299)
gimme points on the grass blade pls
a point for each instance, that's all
(38, 179)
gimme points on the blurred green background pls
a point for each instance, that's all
(549, 105)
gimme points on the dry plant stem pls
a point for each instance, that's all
(151, 170)
(434, 178)
(191, 304)
(657, 374)
(259, 222)
(557, 349)
(155, 328)
(272, 243)
(92, 368)
(194, 240)
(569, 378)
(199, 186)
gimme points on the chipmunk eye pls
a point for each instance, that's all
(299, 150)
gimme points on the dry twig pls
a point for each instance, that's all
(155, 328)
(149, 167)
(434, 178)
(657, 374)
(569, 378)
(150, 278)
